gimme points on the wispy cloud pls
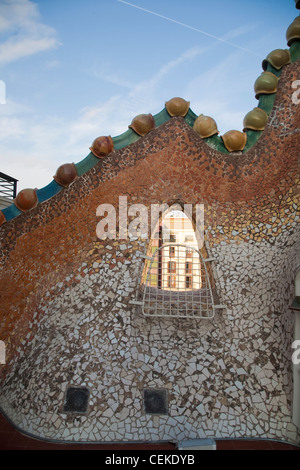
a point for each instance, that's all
(205, 33)
(222, 91)
(42, 143)
(106, 72)
(33, 146)
(14, 49)
(26, 34)
(54, 140)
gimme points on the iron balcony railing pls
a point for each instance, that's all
(8, 186)
(178, 286)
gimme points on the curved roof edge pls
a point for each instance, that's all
(142, 124)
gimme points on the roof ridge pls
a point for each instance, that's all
(254, 123)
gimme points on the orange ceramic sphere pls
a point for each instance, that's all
(2, 218)
(26, 199)
(66, 174)
(102, 146)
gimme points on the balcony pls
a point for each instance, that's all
(8, 190)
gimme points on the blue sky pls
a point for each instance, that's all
(78, 69)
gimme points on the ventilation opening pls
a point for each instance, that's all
(76, 400)
(156, 401)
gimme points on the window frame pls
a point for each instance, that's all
(172, 251)
(195, 301)
(172, 282)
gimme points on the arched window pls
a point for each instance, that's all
(175, 280)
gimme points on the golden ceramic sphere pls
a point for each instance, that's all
(234, 140)
(142, 124)
(177, 107)
(277, 58)
(255, 119)
(266, 83)
(205, 126)
(293, 31)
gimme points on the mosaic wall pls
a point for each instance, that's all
(67, 298)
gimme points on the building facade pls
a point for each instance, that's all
(86, 357)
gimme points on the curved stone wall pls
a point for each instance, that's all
(69, 316)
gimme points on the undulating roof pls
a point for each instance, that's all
(265, 88)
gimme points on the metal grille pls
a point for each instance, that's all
(8, 186)
(177, 284)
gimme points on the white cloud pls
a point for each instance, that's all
(224, 86)
(13, 49)
(16, 12)
(52, 64)
(102, 72)
(25, 34)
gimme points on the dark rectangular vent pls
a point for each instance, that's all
(156, 401)
(76, 400)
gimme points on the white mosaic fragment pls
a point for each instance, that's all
(118, 357)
